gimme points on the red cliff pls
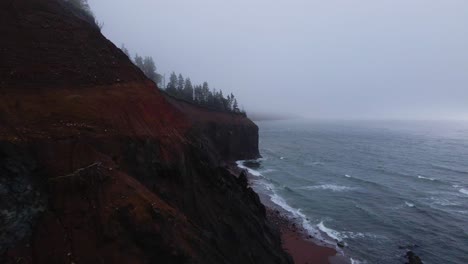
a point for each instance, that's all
(98, 166)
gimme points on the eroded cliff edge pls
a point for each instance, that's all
(98, 166)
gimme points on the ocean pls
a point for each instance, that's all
(381, 187)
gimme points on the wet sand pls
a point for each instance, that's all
(301, 248)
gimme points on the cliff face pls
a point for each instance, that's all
(97, 166)
(231, 136)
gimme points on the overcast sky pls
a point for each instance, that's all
(321, 59)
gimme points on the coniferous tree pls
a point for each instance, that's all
(201, 94)
(223, 101)
(180, 85)
(219, 101)
(198, 94)
(230, 100)
(149, 68)
(125, 50)
(188, 90)
(172, 85)
(205, 93)
(138, 60)
(235, 106)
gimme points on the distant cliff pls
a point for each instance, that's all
(97, 166)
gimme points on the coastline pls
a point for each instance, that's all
(299, 245)
(302, 247)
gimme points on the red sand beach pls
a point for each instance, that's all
(301, 248)
(303, 251)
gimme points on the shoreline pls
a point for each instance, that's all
(302, 247)
(299, 244)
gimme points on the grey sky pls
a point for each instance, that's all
(326, 59)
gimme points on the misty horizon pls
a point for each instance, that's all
(332, 60)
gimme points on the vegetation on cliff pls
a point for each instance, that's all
(99, 166)
(182, 88)
(177, 86)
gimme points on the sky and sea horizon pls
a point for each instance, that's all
(337, 59)
(381, 187)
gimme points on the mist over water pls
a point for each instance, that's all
(381, 187)
(346, 59)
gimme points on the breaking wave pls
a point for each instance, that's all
(425, 178)
(331, 187)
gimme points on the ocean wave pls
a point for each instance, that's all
(331, 187)
(296, 213)
(330, 232)
(315, 163)
(267, 184)
(426, 178)
(390, 171)
(356, 261)
(374, 185)
(347, 176)
(240, 164)
(464, 191)
(404, 205)
(340, 236)
(445, 168)
(443, 202)
(263, 184)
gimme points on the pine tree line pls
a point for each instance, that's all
(201, 94)
(182, 88)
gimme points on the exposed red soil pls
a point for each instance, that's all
(101, 167)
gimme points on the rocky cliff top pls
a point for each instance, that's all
(98, 166)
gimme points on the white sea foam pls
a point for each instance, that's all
(253, 172)
(443, 202)
(426, 178)
(263, 185)
(409, 204)
(464, 191)
(311, 229)
(347, 176)
(456, 186)
(241, 165)
(330, 232)
(278, 200)
(339, 236)
(331, 187)
(316, 163)
(355, 261)
(281, 158)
